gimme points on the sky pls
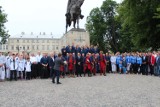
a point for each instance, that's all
(41, 15)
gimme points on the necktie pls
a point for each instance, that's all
(14, 63)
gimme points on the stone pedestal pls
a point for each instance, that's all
(77, 36)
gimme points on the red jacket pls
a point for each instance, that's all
(71, 62)
(153, 60)
(88, 63)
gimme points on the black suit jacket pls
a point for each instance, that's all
(145, 61)
(79, 60)
(51, 62)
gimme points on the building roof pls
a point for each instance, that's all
(33, 36)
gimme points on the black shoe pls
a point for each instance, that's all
(53, 82)
(59, 83)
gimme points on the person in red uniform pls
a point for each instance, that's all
(153, 61)
(93, 64)
(71, 63)
(88, 66)
(102, 63)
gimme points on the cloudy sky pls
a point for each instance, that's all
(41, 15)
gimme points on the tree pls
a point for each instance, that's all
(137, 16)
(3, 33)
(103, 26)
(157, 16)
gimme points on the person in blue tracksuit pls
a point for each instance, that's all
(139, 63)
(118, 61)
(128, 62)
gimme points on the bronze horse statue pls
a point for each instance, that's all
(73, 13)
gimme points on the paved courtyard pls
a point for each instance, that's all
(114, 90)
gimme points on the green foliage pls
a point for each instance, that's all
(132, 25)
(3, 33)
(157, 16)
(102, 26)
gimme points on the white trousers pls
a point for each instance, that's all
(114, 68)
(2, 73)
(7, 73)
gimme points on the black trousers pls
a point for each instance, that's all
(107, 68)
(134, 68)
(28, 75)
(13, 72)
(144, 69)
(39, 67)
(20, 73)
(33, 70)
(56, 74)
(78, 70)
(117, 67)
(151, 69)
(88, 71)
(44, 72)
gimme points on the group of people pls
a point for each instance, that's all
(75, 61)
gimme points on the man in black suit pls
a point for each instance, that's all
(51, 64)
(144, 64)
(79, 64)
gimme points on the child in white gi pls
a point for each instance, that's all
(21, 65)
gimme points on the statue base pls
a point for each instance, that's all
(76, 36)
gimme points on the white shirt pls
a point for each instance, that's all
(21, 65)
(28, 66)
(33, 59)
(39, 58)
(8, 59)
(113, 59)
(12, 67)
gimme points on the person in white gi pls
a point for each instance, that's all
(8, 59)
(13, 67)
(28, 69)
(113, 63)
(2, 68)
(21, 65)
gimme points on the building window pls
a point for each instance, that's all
(37, 47)
(43, 41)
(37, 41)
(47, 41)
(33, 47)
(27, 41)
(3, 47)
(23, 47)
(6, 47)
(12, 47)
(24, 41)
(53, 41)
(27, 47)
(47, 47)
(43, 47)
(53, 47)
(32, 41)
(56, 47)
(17, 40)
